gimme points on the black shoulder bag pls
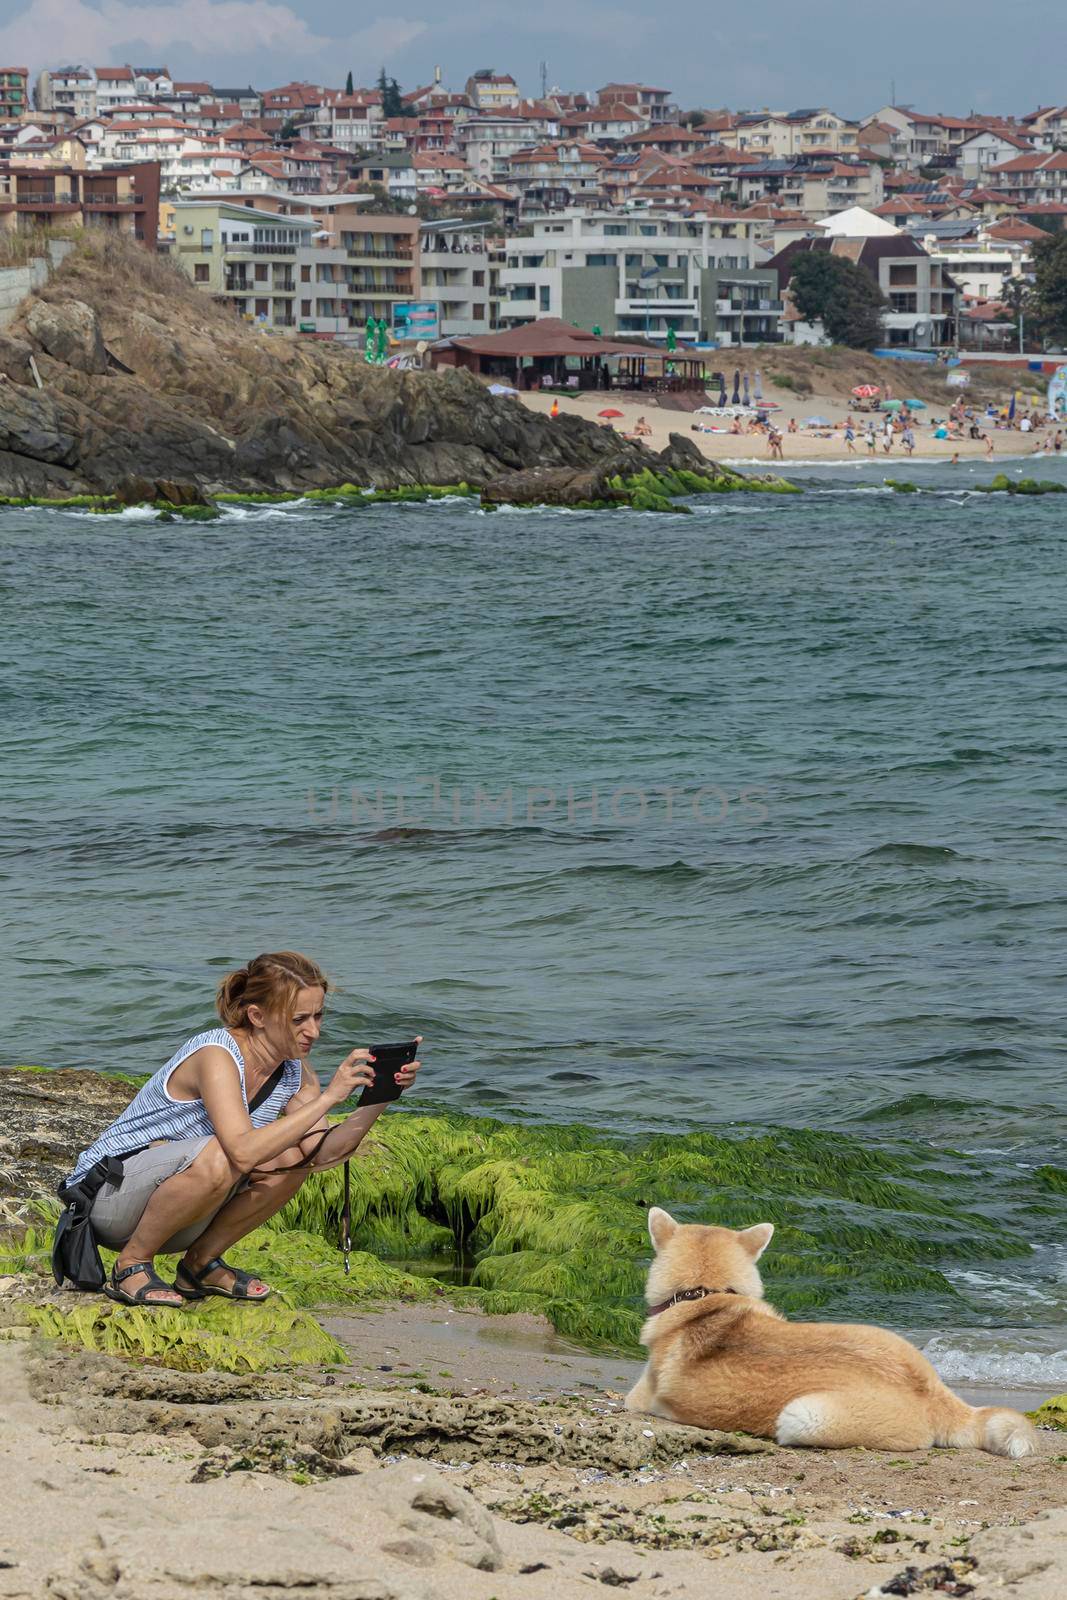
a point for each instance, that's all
(75, 1253)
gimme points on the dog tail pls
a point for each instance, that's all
(993, 1428)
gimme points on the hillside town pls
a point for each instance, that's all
(443, 212)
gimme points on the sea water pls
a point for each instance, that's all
(746, 819)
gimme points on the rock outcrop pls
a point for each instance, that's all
(146, 378)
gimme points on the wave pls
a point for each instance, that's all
(958, 1362)
(910, 853)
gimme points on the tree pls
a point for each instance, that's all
(1050, 286)
(288, 131)
(349, 86)
(389, 89)
(1018, 296)
(839, 294)
(692, 119)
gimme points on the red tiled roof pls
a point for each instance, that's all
(115, 74)
(1023, 232)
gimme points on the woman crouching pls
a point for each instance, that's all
(224, 1135)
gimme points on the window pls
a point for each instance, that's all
(633, 261)
(305, 308)
(597, 259)
(614, 227)
(522, 291)
(478, 311)
(261, 272)
(305, 274)
(544, 298)
(201, 272)
(207, 239)
(478, 280)
(662, 261)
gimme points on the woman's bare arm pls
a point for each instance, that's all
(219, 1087)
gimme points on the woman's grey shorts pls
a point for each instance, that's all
(118, 1207)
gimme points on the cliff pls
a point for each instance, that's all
(146, 379)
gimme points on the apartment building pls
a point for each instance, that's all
(460, 268)
(981, 152)
(487, 144)
(14, 93)
(244, 256)
(1032, 179)
(124, 198)
(492, 91)
(653, 105)
(349, 121)
(317, 264)
(648, 272)
(812, 184)
(980, 260)
(922, 296)
(793, 133)
(70, 90)
(556, 177)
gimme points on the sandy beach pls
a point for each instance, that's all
(503, 1474)
(807, 444)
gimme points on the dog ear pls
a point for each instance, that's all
(661, 1226)
(755, 1240)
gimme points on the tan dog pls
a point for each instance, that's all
(720, 1357)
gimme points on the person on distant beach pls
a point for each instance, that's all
(792, 425)
(224, 1135)
(870, 439)
(642, 429)
(908, 441)
(955, 459)
(774, 444)
(1057, 441)
(850, 437)
(989, 447)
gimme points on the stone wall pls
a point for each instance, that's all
(17, 282)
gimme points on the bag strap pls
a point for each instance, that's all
(266, 1089)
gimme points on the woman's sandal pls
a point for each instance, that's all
(200, 1290)
(139, 1297)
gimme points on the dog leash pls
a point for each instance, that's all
(346, 1217)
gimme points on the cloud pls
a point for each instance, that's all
(212, 29)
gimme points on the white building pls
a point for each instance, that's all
(70, 90)
(645, 272)
(487, 144)
(461, 269)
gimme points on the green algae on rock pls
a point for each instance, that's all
(215, 1335)
(1051, 1413)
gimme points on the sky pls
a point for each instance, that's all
(957, 56)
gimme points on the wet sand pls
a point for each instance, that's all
(500, 1465)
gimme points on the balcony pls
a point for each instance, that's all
(232, 249)
(284, 286)
(32, 198)
(283, 322)
(355, 253)
(111, 202)
(236, 285)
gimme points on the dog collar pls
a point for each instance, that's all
(685, 1294)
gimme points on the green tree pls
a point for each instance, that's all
(389, 89)
(1018, 296)
(1050, 287)
(288, 131)
(349, 86)
(839, 294)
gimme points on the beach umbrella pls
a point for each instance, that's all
(892, 405)
(759, 385)
(736, 396)
(501, 388)
(722, 390)
(817, 422)
(915, 405)
(867, 391)
(609, 413)
(744, 398)
(1011, 408)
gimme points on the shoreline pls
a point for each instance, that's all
(804, 448)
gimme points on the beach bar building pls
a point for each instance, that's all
(552, 354)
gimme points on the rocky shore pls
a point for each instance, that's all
(119, 378)
(423, 1450)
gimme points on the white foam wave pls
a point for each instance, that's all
(961, 1360)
